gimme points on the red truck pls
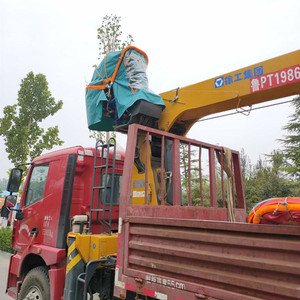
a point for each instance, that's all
(58, 187)
(173, 231)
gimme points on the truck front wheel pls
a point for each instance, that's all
(35, 285)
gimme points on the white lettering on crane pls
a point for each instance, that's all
(270, 78)
(255, 85)
(263, 80)
(274, 79)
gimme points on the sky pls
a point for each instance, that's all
(186, 42)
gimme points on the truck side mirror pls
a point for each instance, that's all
(10, 201)
(4, 212)
(19, 215)
(14, 180)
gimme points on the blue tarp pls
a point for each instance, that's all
(129, 86)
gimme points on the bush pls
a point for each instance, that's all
(5, 239)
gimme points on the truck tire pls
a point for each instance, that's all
(36, 285)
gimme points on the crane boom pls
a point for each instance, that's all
(268, 80)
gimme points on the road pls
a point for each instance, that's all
(4, 262)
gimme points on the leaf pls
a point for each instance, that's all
(21, 123)
(109, 36)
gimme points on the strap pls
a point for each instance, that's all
(286, 208)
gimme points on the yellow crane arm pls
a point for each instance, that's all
(268, 80)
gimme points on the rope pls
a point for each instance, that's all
(238, 112)
(99, 74)
(228, 170)
(285, 204)
(261, 217)
(105, 65)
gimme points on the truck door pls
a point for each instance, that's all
(30, 226)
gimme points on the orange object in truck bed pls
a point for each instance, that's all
(276, 211)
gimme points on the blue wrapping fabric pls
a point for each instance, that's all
(129, 86)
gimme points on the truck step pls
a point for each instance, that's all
(99, 209)
(103, 166)
(106, 146)
(101, 187)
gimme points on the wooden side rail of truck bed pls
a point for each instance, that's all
(189, 250)
(193, 259)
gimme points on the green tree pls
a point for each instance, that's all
(268, 180)
(277, 159)
(20, 125)
(110, 39)
(184, 170)
(245, 165)
(291, 142)
(266, 184)
(110, 36)
(5, 239)
(3, 183)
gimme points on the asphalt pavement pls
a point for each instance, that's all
(4, 263)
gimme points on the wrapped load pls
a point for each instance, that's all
(119, 94)
(276, 211)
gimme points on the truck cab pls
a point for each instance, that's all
(58, 187)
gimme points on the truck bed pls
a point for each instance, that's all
(180, 258)
(191, 251)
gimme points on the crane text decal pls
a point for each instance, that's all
(273, 79)
(247, 74)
